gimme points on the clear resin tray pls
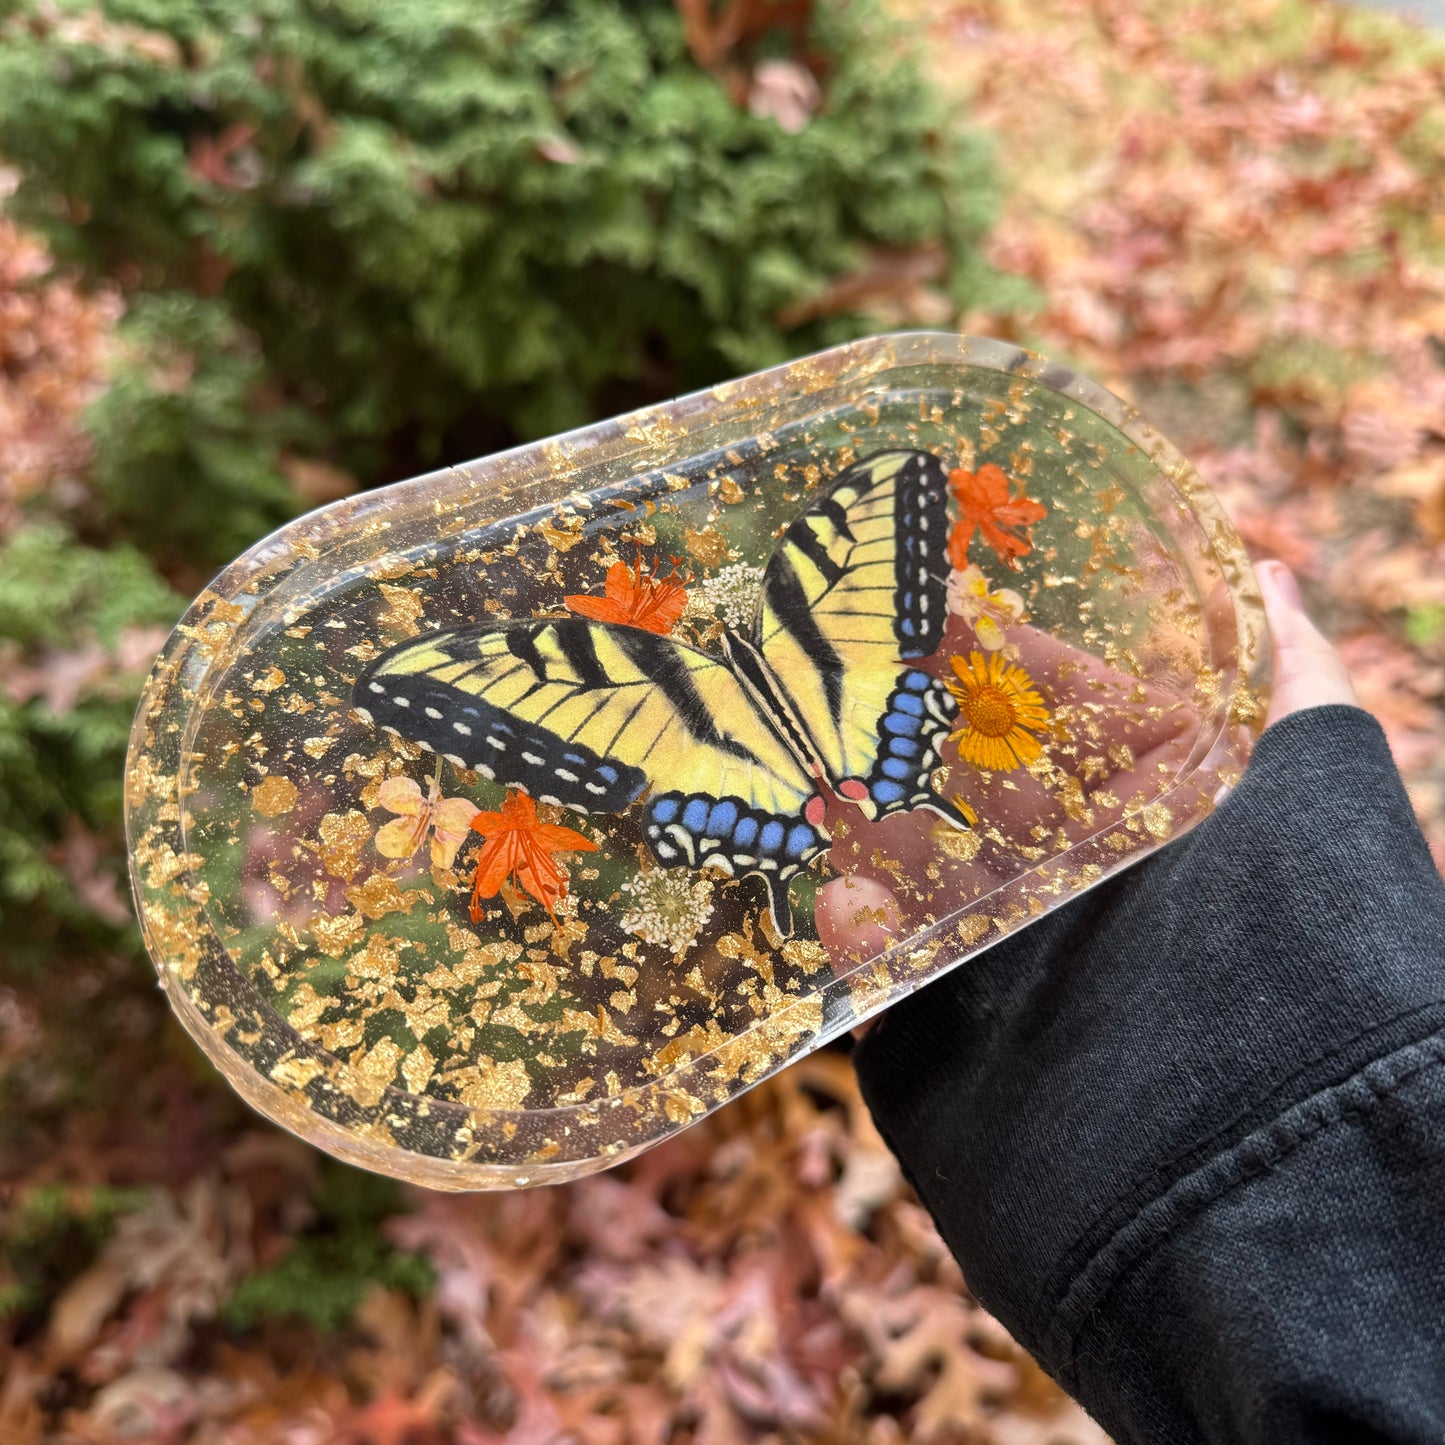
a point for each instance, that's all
(490, 827)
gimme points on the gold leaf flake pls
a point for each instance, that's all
(390, 571)
(379, 959)
(273, 796)
(306, 1008)
(315, 747)
(342, 837)
(730, 491)
(296, 1072)
(403, 611)
(804, 953)
(417, 1068)
(708, 546)
(960, 844)
(561, 538)
(273, 679)
(1157, 819)
(342, 1034)
(370, 1072)
(381, 895)
(490, 1085)
(335, 935)
(973, 928)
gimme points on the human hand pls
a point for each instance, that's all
(1307, 669)
(1134, 744)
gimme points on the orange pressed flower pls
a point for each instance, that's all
(635, 598)
(517, 846)
(984, 502)
(1000, 710)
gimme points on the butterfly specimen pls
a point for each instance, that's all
(727, 751)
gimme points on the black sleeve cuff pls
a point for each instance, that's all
(1052, 1088)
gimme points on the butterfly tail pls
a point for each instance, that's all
(780, 906)
(954, 809)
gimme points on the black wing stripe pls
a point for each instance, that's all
(663, 665)
(790, 604)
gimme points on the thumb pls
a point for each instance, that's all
(1307, 670)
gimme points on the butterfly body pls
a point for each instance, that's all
(731, 750)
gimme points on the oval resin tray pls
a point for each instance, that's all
(487, 828)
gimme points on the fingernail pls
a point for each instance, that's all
(1279, 580)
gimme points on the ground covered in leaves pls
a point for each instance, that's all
(1232, 218)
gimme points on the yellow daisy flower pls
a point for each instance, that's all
(998, 704)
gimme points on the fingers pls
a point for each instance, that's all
(1307, 670)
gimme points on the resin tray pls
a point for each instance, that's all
(490, 827)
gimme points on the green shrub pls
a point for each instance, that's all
(77, 627)
(383, 233)
(324, 1276)
(49, 1235)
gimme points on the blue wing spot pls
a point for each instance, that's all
(902, 747)
(897, 768)
(908, 628)
(722, 820)
(665, 809)
(694, 816)
(901, 725)
(747, 832)
(573, 758)
(909, 704)
(917, 681)
(886, 792)
(800, 838)
(772, 836)
(606, 770)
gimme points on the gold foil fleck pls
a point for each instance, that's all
(960, 844)
(335, 935)
(403, 611)
(297, 1073)
(369, 1073)
(273, 796)
(417, 1068)
(1158, 819)
(490, 1085)
(342, 837)
(806, 954)
(974, 927)
(709, 547)
(381, 895)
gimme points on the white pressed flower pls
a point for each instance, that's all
(732, 593)
(970, 596)
(668, 906)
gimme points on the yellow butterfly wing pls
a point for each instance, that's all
(854, 594)
(590, 716)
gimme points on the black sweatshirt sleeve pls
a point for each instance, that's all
(1186, 1136)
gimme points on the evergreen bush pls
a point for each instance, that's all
(363, 236)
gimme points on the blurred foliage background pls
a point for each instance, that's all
(256, 256)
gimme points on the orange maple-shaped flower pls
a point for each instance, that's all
(984, 503)
(516, 845)
(635, 598)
